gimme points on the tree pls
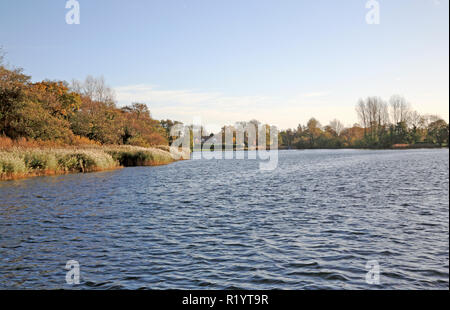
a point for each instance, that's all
(337, 126)
(400, 133)
(139, 128)
(56, 97)
(287, 138)
(400, 109)
(313, 131)
(374, 115)
(167, 126)
(13, 92)
(35, 122)
(438, 132)
(362, 111)
(352, 136)
(98, 121)
(94, 88)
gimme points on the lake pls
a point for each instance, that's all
(312, 223)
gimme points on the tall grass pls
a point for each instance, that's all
(19, 161)
(139, 156)
(23, 162)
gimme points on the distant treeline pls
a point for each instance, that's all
(382, 125)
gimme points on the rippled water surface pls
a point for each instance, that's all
(313, 223)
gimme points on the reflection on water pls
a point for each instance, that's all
(312, 223)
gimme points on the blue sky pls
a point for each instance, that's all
(278, 61)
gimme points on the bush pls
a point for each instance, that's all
(38, 160)
(76, 162)
(129, 156)
(87, 161)
(11, 163)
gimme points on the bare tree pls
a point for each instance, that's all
(400, 109)
(361, 110)
(94, 88)
(414, 119)
(337, 126)
(373, 114)
(2, 55)
(427, 119)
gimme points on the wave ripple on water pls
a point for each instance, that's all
(313, 223)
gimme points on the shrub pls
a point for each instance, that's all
(11, 163)
(39, 161)
(87, 161)
(129, 156)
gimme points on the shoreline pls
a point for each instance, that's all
(369, 148)
(283, 148)
(79, 159)
(21, 163)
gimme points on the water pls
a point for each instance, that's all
(313, 223)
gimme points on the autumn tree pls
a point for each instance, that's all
(56, 98)
(353, 136)
(139, 128)
(313, 131)
(99, 121)
(13, 94)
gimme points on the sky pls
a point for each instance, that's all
(281, 62)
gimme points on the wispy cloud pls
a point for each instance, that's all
(315, 94)
(220, 108)
(157, 97)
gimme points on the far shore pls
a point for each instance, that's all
(393, 147)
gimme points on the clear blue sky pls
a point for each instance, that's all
(278, 61)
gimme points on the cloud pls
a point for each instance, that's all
(218, 108)
(150, 93)
(316, 94)
(186, 98)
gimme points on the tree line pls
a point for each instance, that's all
(83, 112)
(79, 112)
(382, 124)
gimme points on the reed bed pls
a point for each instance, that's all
(21, 162)
(129, 156)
